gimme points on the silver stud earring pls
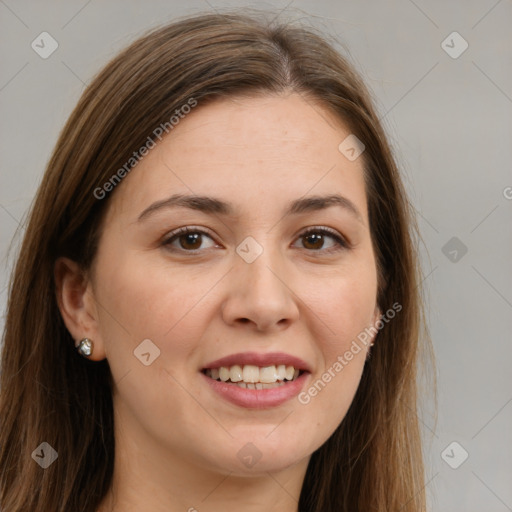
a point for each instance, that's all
(85, 347)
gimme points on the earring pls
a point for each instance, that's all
(85, 347)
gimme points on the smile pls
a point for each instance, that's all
(254, 377)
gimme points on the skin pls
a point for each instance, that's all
(176, 440)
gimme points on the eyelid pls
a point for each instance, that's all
(168, 237)
(341, 240)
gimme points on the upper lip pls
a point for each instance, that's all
(256, 359)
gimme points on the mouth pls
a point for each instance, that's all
(257, 381)
(249, 376)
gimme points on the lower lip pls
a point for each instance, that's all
(258, 398)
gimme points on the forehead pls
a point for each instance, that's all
(274, 148)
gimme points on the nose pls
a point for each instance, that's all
(261, 293)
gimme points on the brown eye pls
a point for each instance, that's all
(190, 241)
(187, 240)
(315, 240)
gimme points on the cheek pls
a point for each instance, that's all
(347, 311)
(146, 300)
(345, 306)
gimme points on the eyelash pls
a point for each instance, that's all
(342, 244)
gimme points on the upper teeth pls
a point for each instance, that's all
(250, 373)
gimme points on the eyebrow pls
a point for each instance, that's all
(211, 205)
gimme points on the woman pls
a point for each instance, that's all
(216, 300)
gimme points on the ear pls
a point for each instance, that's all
(375, 318)
(77, 305)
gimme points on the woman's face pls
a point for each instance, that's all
(265, 277)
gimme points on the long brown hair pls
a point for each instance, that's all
(373, 461)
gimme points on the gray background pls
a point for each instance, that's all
(451, 124)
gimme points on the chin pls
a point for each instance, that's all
(250, 456)
(253, 455)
